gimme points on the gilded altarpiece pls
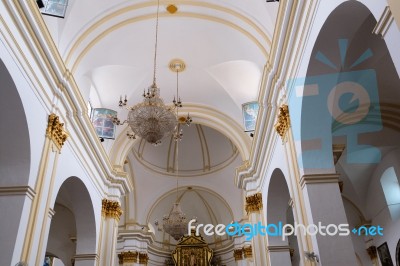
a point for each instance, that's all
(192, 251)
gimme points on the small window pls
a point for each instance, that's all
(56, 8)
(391, 189)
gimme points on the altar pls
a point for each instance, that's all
(192, 251)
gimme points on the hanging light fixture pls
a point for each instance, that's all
(175, 224)
(151, 119)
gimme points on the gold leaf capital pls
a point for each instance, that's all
(283, 123)
(254, 203)
(55, 131)
(111, 209)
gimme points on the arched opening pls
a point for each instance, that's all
(15, 160)
(351, 89)
(391, 189)
(279, 211)
(73, 227)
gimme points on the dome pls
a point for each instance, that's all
(202, 150)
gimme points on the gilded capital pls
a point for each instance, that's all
(248, 252)
(111, 209)
(143, 258)
(55, 131)
(283, 123)
(254, 203)
(238, 254)
(127, 256)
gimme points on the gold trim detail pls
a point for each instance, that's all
(172, 8)
(283, 123)
(55, 131)
(238, 254)
(111, 209)
(143, 258)
(128, 256)
(372, 252)
(248, 252)
(254, 203)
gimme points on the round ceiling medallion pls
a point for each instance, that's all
(177, 65)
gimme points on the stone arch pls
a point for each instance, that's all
(279, 210)
(203, 115)
(73, 204)
(345, 62)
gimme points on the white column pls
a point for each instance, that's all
(111, 212)
(279, 255)
(324, 205)
(86, 260)
(254, 209)
(15, 204)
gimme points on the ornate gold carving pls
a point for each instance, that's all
(129, 256)
(283, 123)
(55, 131)
(238, 254)
(248, 252)
(143, 258)
(192, 250)
(111, 209)
(254, 203)
(372, 252)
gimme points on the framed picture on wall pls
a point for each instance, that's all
(48, 261)
(384, 255)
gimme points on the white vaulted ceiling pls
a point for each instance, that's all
(109, 48)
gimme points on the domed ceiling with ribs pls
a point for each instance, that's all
(202, 150)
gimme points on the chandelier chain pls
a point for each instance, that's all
(155, 46)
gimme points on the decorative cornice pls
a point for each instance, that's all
(111, 209)
(143, 258)
(82, 257)
(248, 252)
(384, 23)
(254, 203)
(128, 256)
(238, 254)
(55, 131)
(319, 179)
(283, 123)
(372, 252)
(278, 249)
(20, 190)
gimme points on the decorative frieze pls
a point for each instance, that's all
(128, 257)
(238, 254)
(111, 209)
(283, 123)
(248, 252)
(143, 258)
(254, 203)
(55, 131)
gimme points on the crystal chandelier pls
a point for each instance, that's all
(175, 224)
(151, 119)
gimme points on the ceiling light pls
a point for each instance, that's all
(151, 119)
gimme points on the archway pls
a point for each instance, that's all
(73, 227)
(15, 160)
(348, 69)
(351, 89)
(281, 251)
